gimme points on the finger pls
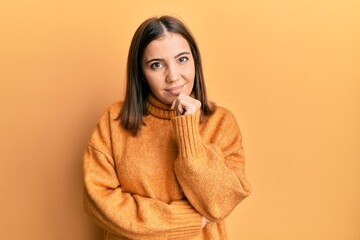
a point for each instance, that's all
(180, 111)
(173, 104)
(184, 104)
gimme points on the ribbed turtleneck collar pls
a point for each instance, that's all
(159, 109)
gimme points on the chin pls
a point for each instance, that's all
(166, 99)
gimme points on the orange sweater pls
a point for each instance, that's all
(159, 184)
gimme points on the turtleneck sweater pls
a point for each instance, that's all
(159, 183)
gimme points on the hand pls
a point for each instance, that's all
(184, 104)
(204, 222)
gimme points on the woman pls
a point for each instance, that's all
(165, 163)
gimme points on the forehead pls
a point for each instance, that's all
(170, 44)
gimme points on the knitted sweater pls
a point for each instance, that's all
(159, 184)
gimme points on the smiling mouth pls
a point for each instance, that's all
(175, 90)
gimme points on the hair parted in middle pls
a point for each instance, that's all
(137, 88)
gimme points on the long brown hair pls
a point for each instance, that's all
(137, 88)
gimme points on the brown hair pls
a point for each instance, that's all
(137, 89)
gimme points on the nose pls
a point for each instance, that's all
(172, 73)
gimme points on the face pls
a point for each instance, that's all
(169, 67)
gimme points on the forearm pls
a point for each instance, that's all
(130, 215)
(211, 177)
(211, 187)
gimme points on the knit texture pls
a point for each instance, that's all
(159, 184)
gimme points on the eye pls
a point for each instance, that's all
(183, 59)
(156, 65)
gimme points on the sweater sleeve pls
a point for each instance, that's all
(211, 174)
(124, 214)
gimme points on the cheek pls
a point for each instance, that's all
(153, 79)
(189, 73)
(192, 76)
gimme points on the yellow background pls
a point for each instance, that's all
(288, 70)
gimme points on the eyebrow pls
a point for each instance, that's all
(176, 56)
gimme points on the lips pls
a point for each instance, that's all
(175, 90)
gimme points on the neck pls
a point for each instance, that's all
(159, 109)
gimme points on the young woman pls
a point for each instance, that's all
(165, 163)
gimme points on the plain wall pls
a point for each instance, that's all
(288, 70)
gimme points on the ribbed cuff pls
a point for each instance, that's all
(188, 135)
(185, 219)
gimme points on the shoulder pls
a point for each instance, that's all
(109, 117)
(221, 114)
(115, 108)
(222, 119)
(101, 136)
(111, 112)
(222, 128)
(222, 110)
